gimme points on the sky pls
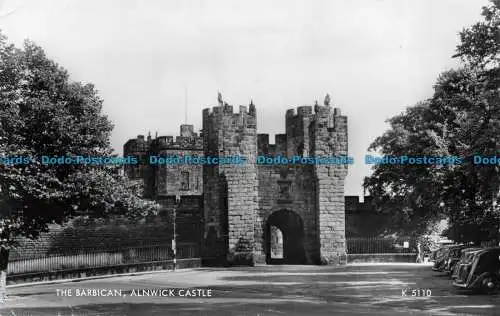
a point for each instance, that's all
(151, 59)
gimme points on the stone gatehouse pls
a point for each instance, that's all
(244, 209)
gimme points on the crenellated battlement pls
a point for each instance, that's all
(165, 141)
(301, 111)
(222, 117)
(301, 123)
(326, 109)
(264, 147)
(188, 140)
(180, 143)
(226, 109)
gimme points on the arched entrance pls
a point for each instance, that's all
(290, 226)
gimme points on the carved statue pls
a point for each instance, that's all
(327, 100)
(219, 98)
(251, 109)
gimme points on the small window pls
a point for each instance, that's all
(300, 150)
(184, 180)
(284, 192)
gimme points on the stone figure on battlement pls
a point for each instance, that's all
(219, 98)
(327, 100)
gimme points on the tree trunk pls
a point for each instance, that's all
(498, 234)
(3, 286)
(4, 260)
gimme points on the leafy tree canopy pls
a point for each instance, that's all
(43, 112)
(461, 119)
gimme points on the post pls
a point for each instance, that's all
(174, 240)
(4, 260)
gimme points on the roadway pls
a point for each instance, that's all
(370, 289)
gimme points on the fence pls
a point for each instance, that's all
(101, 258)
(94, 258)
(381, 245)
(490, 243)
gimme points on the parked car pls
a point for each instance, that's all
(434, 254)
(466, 256)
(454, 255)
(483, 273)
(443, 244)
(438, 257)
(442, 258)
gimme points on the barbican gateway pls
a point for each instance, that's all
(237, 212)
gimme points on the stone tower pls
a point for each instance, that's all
(328, 135)
(230, 191)
(244, 205)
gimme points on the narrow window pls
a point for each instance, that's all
(184, 181)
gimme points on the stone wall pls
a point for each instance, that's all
(361, 221)
(84, 235)
(189, 217)
(185, 180)
(119, 233)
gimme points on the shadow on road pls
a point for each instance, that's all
(266, 290)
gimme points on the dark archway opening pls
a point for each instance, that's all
(284, 236)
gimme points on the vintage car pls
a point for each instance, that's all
(454, 255)
(438, 257)
(482, 273)
(467, 254)
(441, 262)
(434, 254)
(443, 245)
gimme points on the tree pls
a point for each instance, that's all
(461, 119)
(480, 44)
(44, 113)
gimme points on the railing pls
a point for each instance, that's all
(101, 258)
(489, 243)
(381, 245)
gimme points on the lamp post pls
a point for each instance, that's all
(174, 240)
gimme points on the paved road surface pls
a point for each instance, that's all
(262, 290)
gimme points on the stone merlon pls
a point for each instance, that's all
(188, 139)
